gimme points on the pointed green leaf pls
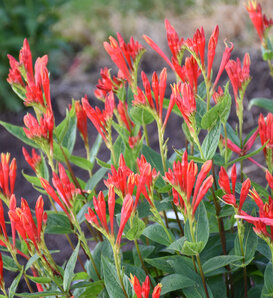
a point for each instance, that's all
(218, 262)
(211, 141)
(69, 269)
(57, 223)
(175, 282)
(157, 234)
(15, 283)
(265, 103)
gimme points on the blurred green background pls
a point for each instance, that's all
(72, 32)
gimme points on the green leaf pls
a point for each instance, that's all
(103, 164)
(92, 290)
(211, 141)
(32, 260)
(81, 162)
(264, 249)
(268, 280)
(57, 223)
(136, 229)
(95, 179)
(192, 248)
(119, 148)
(111, 279)
(141, 115)
(145, 251)
(162, 263)
(202, 227)
(175, 282)
(261, 102)
(14, 285)
(178, 244)
(201, 108)
(232, 135)
(19, 133)
(157, 234)
(69, 269)
(39, 279)
(250, 243)
(95, 148)
(218, 262)
(267, 54)
(9, 264)
(35, 181)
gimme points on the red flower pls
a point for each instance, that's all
(81, 121)
(158, 88)
(224, 183)
(185, 100)
(174, 42)
(100, 209)
(42, 130)
(107, 84)
(126, 211)
(182, 178)
(224, 61)
(100, 118)
(238, 75)
(34, 160)
(24, 222)
(260, 21)
(265, 129)
(7, 175)
(66, 189)
(265, 214)
(120, 178)
(248, 145)
(123, 55)
(211, 49)
(144, 290)
(123, 114)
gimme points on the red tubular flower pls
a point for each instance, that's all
(185, 100)
(25, 58)
(14, 76)
(122, 54)
(66, 189)
(174, 42)
(182, 178)
(265, 132)
(50, 191)
(260, 22)
(126, 210)
(107, 84)
(218, 94)
(120, 178)
(123, 113)
(238, 75)
(24, 222)
(224, 183)
(91, 217)
(12, 207)
(100, 208)
(157, 291)
(81, 121)
(224, 61)
(248, 145)
(211, 49)
(136, 285)
(42, 130)
(39, 212)
(100, 118)
(7, 174)
(199, 44)
(111, 207)
(34, 160)
(244, 192)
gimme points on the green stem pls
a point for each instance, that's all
(240, 231)
(146, 134)
(270, 68)
(87, 149)
(140, 258)
(117, 264)
(226, 145)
